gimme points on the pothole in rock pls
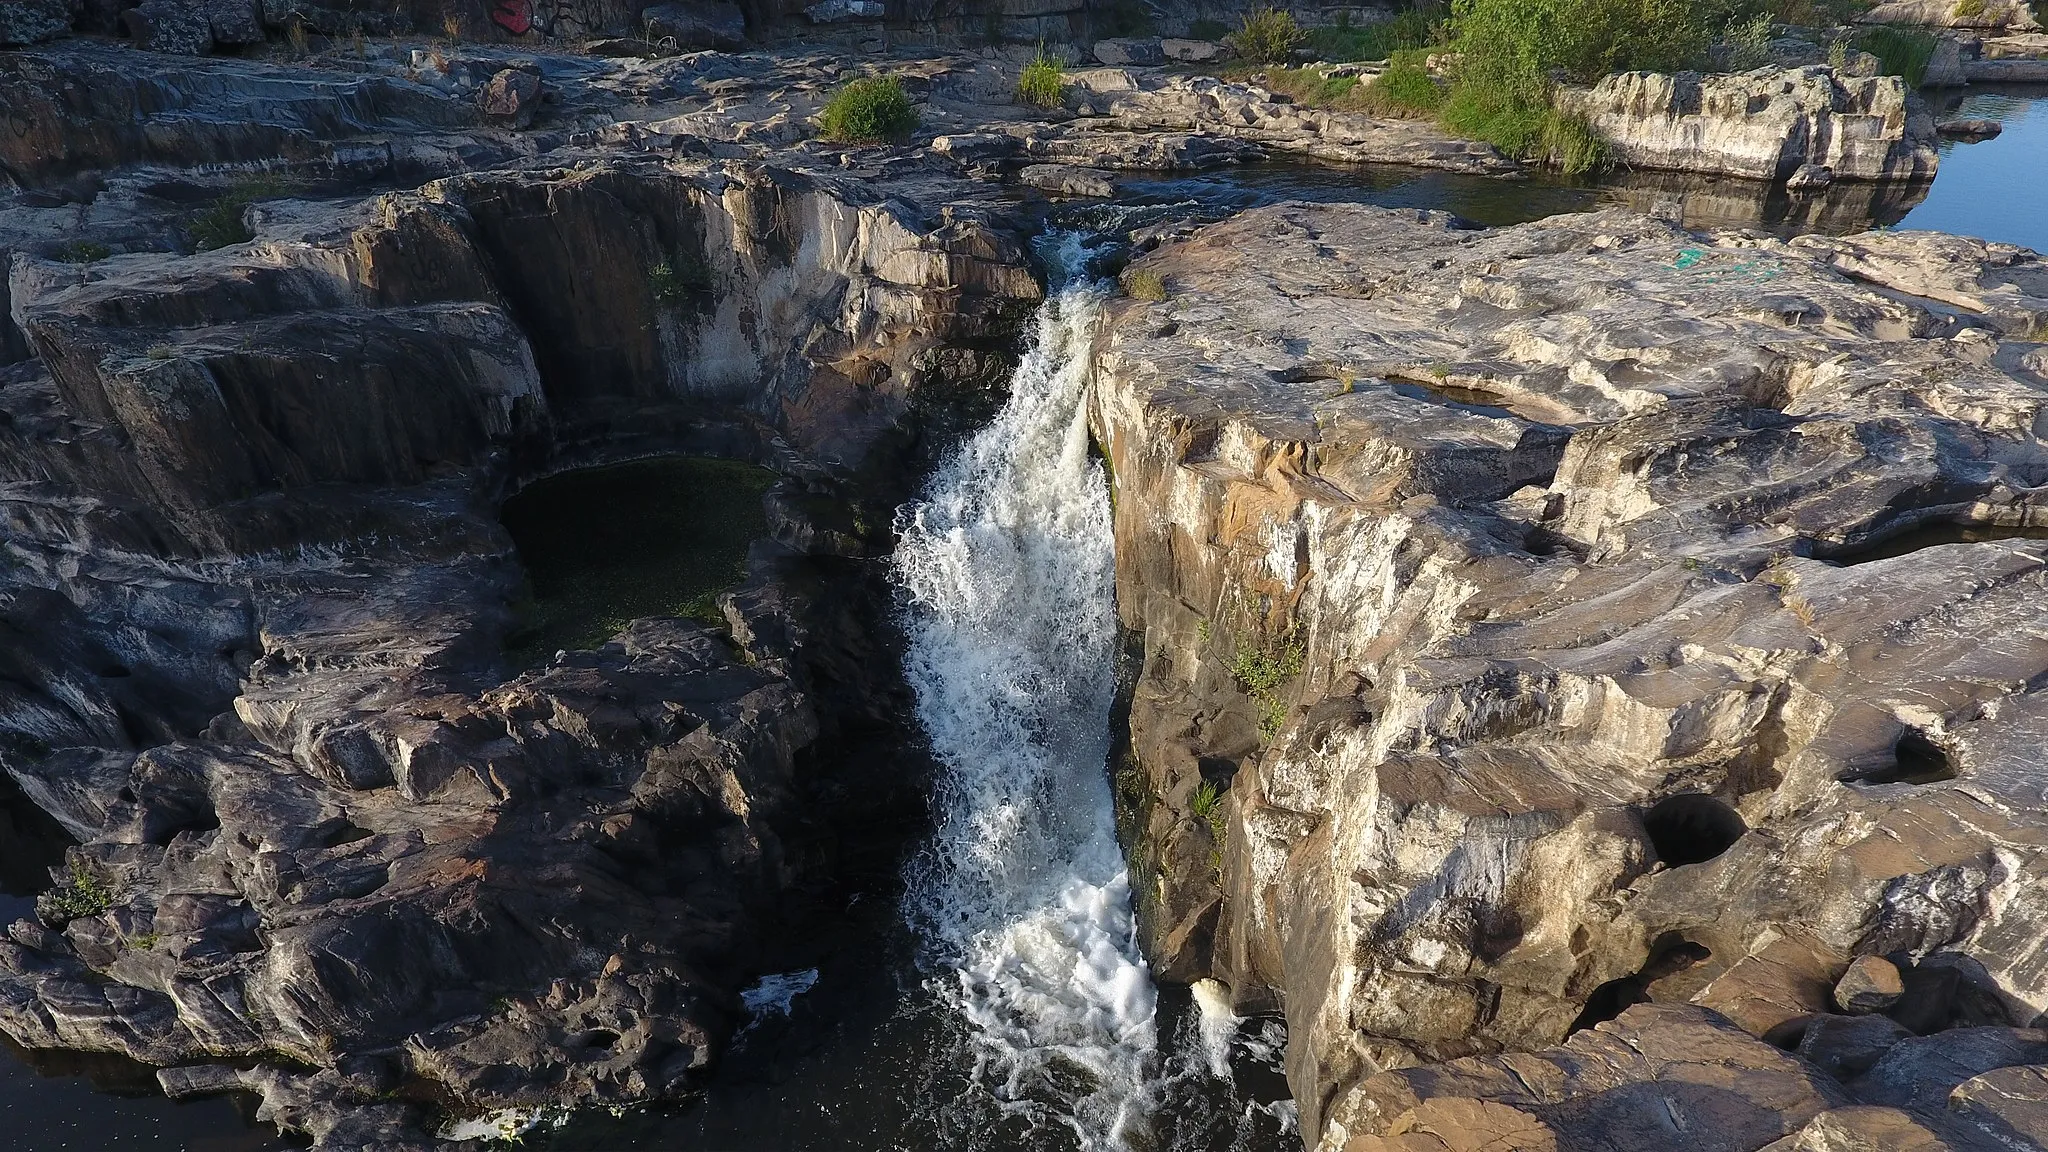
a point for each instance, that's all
(1922, 536)
(1917, 758)
(1662, 977)
(605, 546)
(1692, 828)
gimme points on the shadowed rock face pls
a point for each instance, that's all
(1483, 566)
(333, 848)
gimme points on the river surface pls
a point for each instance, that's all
(992, 996)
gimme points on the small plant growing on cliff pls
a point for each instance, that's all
(83, 895)
(83, 252)
(1266, 35)
(1145, 284)
(298, 39)
(161, 352)
(223, 221)
(1043, 83)
(1967, 9)
(871, 110)
(1262, 673)
(1207, 805)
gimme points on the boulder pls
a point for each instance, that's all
(1189, 51)
(24, 22)
(699, 24)
(1845, 1047)
(1762, 125)
(1969, 129)
(1810, 177)
(1125, 52)
(1872, 984)
(511, 97)
(1066, 180)
(233, 21)
(844, 11)
(174, 26)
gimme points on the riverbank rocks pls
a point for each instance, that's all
(1761, 125)
(1580, 614)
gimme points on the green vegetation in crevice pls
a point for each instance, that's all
(1208, 28)
(1901, 52)
(83, 895)
(1207, 805)
(223, 221)
(83, 252)
(870, 110)
(1403, 91)
(1344, 41)
(605, 546)
(1262, 672)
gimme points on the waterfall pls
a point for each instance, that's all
(1020, 898)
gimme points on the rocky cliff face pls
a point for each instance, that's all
(333, 846)
(1533, 622)
(1762, 125)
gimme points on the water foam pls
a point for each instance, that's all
(1021, 896)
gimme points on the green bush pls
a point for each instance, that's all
(1518, 44)
(1749, 42)
(1262, 672)
(1208, 29)
(1267, 35)
(1902, 52)
(85, 895)
(871, 110)
(1403, 91)
(1043, 83)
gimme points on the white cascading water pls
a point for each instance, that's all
(1021, 897)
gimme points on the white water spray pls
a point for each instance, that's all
(1021, 897)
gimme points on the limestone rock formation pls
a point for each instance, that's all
(1762, 125)
(1579, 614)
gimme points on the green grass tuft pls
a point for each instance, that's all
(83, 252)
(1043, 83)
(1145, 284)
(1901, 52)
(83, 895)
(224, 220)
(871, 110)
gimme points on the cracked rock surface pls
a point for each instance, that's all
(1580, 614)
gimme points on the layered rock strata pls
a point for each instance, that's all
(1533, 622)
(1762, 125)
(335, 846)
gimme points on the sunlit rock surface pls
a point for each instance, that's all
(1576, 614)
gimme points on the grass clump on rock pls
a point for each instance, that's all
(83, 895)
(870, 110)
(224, 221)
(1144, 284)
(1043, 83)
(1901, 52)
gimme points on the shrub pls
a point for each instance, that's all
(84, 895)
(1749, 42)
(871, 110)
(1901, 52)
(1208, 29)
(1341, 42)
(1267, 35)
(1261, 673)
(1519, 43)
(1144, 284)
(1967, 9)
(1404, 90)
(1042, 83)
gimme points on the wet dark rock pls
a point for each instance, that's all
(1969, 129)
(178, 27)
(33, 21)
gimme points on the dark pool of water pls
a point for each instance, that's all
(1994, 189)
(604, 546)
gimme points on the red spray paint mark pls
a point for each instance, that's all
(514, 16)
